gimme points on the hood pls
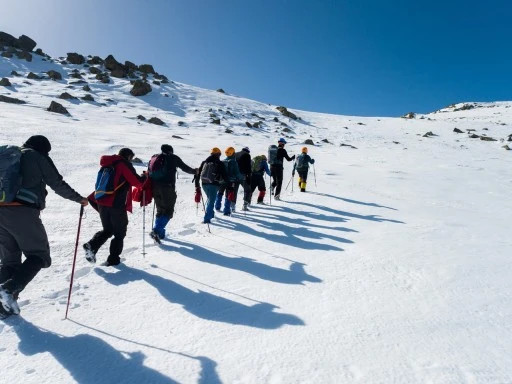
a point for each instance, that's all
(107, 160)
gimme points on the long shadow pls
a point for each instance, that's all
(295, 275)
(290, 236)
(352, 201)
(88, 359)
(203, 304)
(343, 213)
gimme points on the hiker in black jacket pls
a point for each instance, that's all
(243, 158)
(276, 168)
(21, 228)
(164, 190)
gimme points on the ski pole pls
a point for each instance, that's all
(153, 218)
(270, 194)
(287, 185)
(314, 173)
(204, 208)
(144, 224)
(74, 260)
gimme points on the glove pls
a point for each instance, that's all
(197, 197)
(293, 157)
(293, 173)
(312, 161)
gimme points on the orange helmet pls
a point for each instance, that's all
(215, 151)
(230, 151)
(304, 149)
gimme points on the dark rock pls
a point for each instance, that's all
(215, 121)
(6, 39)
(181, 123)
(276, 119)
(78, 82)
(111, 63)
(457, 130)
(26, 43)
(119, 72)
(221, 90)
(136, 160)
(11, 100)
(75, 58)
(140, 117)
(86, 88)
(506, 147)
(88, 97)
(94, 70)
(228, 130)
(14, 73)
(177, 137)
(24, 55)
(487, 138)
(57, 108)
(347, 145)
(95, 60)
(309, 142)
(249, 125)
(429, 134)
(39, 52)
(67, 96)
(284, 111)
(131, 67)
(473, 136)
(146, 68)
(54, 75)
(140, 88)
(286, 129)
(156, 82)
(409, 115)
(33, 76)
(156, 120)
(7, 55)
(76, 75)
(465, 107)
(325, 141)
(5, 82)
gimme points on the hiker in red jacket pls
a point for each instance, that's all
(113, 206)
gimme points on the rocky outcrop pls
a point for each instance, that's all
(75, 58)
(284, 111)
(140, 88)
(11, 100)
(57, 108)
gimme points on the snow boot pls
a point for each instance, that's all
(90, 255)
(7, 300)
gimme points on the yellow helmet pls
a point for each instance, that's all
(304, 149)
(215, 151)
(230, 151)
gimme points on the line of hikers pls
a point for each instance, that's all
(26, 171)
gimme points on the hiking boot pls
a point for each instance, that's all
(112, 262)
(260, 203)
(4, 314)
(244, 208)
(303, 189)
(7, 301)
(155, 237)
(90, 255)
(277, 197)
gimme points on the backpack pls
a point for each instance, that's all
(272, 155)
(105, 181)
(158, 167)
(10, 176)
(301, 162)
(256, 164)
(209, 173)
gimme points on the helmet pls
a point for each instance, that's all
(215, 151)
(281, 140)
(230, 151)
(304, 149)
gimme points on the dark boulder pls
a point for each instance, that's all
(6, 39)
(54, 75)
(11, 100)
(57, 108)
(26, 43)
(140, 88)
(156, 120)
(5, 82)
(75, 58)
(146, 68)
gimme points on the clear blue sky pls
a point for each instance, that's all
(353, 57)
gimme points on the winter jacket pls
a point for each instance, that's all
(125, 177)
(38, 170)
(243, 159)
(232, 170)
(302, 162)
(220, 168)
(282, 154)
(172, 162)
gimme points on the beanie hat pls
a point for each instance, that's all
(304, 149)
(230, 151)
(39, 143)
(126, 153)
(246, 149)
(215, 151)
(166, 148)
(281, 140)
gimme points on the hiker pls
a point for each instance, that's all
(259, 167)
(302, 167)
(233, 176)
(162, 171)
(113, 203)
(21, 228)
(212, 173)
(243, 159)
(275, 159)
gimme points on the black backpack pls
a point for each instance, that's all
(210, 173)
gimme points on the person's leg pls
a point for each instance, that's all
(211, 192)
(304, 178)
(218, 200)
(102, 236)
(279, 181)
(119, 222)
(262, 189)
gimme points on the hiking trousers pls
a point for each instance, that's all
(165, 199)
(22, 231)
(277, 176)
(115, 222)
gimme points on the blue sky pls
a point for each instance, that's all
(352, 57)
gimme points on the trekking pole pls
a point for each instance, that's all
(144, 224)
(153, 218)
(314, 173)
(287, 185)
(270, 194)
(74, 260)
(204, 208)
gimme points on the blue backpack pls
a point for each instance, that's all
(105, 181)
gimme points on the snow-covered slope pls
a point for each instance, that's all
(394, 267)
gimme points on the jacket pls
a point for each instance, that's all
(126, 175)
(282, 154)
(233, 173)
(220, 167)
(244, 163)
(304, 160)
(172, 163)
(262, 167)
(38, 171)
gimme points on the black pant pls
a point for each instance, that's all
(115, 223)
(277, 176)
(165, 199)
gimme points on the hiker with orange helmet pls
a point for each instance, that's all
(212, 173)
(259, 167)
(301, 165)
(233, 176)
